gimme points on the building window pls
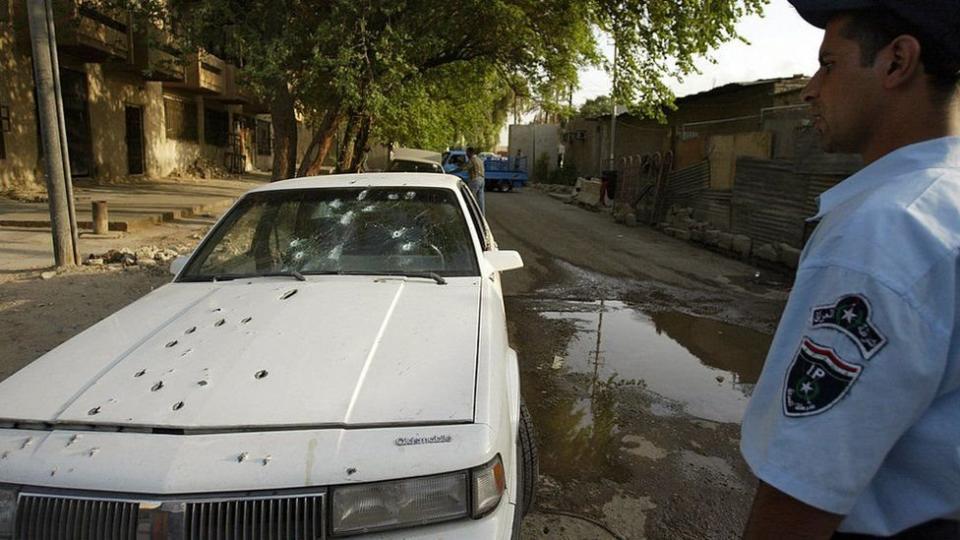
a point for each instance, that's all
(181, 119)
(264, 144)
(4, 128)
(216, 127)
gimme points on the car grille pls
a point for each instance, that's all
(273, 517)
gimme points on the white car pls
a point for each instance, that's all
(331, 361)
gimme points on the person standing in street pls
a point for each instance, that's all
(854, 426)
(477, 182)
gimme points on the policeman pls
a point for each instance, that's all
(854, 425)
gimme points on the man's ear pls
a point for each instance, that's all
(899, 62)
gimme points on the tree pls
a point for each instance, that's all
(596, 107)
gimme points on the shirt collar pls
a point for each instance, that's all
(944, 151)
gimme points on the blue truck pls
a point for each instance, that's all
(501, 174)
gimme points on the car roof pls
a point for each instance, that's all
(416, 160)
(390, 179)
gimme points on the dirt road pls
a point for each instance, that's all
(638, 354)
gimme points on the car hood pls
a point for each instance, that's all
(265, 353)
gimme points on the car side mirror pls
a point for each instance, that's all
(501, 261)
(177, 265)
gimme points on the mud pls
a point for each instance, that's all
(638, 354)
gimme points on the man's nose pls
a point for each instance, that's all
(811, 91)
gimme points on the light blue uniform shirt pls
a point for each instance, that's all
(857, 411)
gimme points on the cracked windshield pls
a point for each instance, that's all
(480, 269)
(340, 231)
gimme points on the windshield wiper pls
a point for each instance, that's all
(290, 273)
(431, 275)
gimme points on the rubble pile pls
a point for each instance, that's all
(680, 223)
(146, 256)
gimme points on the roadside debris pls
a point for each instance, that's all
(146, 256)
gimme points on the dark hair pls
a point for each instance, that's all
(875, 28)
(471, 150)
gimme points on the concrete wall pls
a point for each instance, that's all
(533, 141)
(21, 170)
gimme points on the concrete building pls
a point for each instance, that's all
(536, 142)
(134, 106)
(765, 106)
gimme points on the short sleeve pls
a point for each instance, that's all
(852, 366)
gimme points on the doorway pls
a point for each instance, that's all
(134, 138)
(77, 119)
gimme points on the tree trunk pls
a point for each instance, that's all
(360, 147)
(323, 139)
(349, 141)
(284, 134)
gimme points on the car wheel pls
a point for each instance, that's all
(506, 185)
(528, 473)
(529, 459)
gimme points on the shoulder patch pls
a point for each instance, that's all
(817, 380)
(851, 316)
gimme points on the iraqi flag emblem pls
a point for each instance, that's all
(817, 380)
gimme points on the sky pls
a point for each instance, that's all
(781, 44)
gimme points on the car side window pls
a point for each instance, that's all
(475, 215)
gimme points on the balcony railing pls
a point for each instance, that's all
(155, 57)
(92, 33)
(202, 73)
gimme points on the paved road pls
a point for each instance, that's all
(638, 353)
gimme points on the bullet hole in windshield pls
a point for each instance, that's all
(410, 195)
(157, 386)
(93, 411)
(221, 322)
(393, 196)
(171, 344)
(363, 195)
(335, 253)
(407, 247)
(245, 321)
(288, 294)
(191, 330)
(140, 373)
(369, 208)
(261, 374)
(178, 405)
(399, 232)
(347, 218)
(336, 203)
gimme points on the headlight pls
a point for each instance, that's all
(8, 511)
(418, 501)
(399, 503)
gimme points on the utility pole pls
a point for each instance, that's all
(613, 99)
(53, 133)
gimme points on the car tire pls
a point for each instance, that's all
(506, 185)
(528, 474)
(529, 458)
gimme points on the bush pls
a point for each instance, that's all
(541, 169)
(565, 176)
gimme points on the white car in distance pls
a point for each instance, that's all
(331, 361)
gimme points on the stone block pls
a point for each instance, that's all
(742, 245)
(767, 252)
(725, 241)
(789, 256)
(711, 237)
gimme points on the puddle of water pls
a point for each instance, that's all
(707, 367)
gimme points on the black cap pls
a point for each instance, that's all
(937, 20)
